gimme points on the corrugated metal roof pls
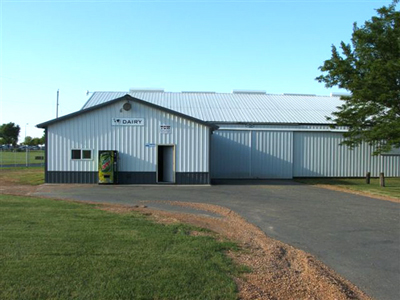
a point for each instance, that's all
(236, 108)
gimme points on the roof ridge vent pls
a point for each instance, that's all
(340, 94)
(249, 92)
(198, 92)
(308, 95)
(145, 90)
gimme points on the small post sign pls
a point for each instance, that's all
(165, 129)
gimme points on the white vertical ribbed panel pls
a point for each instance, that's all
(251, 154)
(319, 154)
(93, 130)
(391, 165)
(230, 154)
(271, 155)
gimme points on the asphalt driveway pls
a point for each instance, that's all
(358, 237)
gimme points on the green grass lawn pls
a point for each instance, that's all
(392, 188)
(57, 249)
(22, 175)
(19, 158)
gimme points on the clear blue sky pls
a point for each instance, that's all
(76, 46)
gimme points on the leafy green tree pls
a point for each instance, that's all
(36, 141)
(28, 141)
(42, 140)
(9, 133)
(369, 68)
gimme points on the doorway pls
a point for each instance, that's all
(166, 164)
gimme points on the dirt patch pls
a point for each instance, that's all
(18, 190)
(340, 189)
(279, 271)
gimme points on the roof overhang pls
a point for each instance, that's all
(126, 98)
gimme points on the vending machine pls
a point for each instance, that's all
(108, 166)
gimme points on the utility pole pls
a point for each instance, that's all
(26, 149)
(58, 94)
(25, 129)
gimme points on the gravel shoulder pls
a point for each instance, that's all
(366, 194)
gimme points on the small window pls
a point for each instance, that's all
(76, 154)
(81, 154)
(86, 154)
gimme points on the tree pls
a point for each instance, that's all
(369, 69)
(28, 141)
(9, 133)
(36, 141)
(42, 140)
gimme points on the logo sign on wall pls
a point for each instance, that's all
(127, 122)
(165, 129)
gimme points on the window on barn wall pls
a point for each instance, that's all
(81, 154)
(86, 154)
(76, 154)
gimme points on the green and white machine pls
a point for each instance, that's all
(108, 167)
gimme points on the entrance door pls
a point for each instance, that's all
(166, 163)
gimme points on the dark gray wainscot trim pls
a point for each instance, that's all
(193, 178)
(125, 177)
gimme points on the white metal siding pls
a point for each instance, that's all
(272, 155)
(94, 131)
(230, 154)
(251, 154)
(319, 154)
(280, 127)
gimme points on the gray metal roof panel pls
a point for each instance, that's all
(125, 97)
(236, 108)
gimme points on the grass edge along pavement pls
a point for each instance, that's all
(358, 185)
(59, 249)
(22, 175)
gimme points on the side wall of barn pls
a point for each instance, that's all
(292, 151)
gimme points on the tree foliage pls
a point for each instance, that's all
(36, 141)
(28, 141)
(369, 68)
(9, 133)
(42, 140)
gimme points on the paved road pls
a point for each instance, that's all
(359, 237)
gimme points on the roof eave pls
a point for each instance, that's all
(127, 97)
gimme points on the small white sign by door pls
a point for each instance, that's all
(165, 129)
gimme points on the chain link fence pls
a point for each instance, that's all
(21, 158)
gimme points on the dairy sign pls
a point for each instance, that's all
(127, 121)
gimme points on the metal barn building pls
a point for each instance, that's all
(193, 137)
